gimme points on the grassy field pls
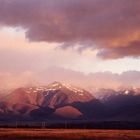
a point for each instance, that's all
(71, 134)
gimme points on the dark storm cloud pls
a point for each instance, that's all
(121, 51)
(113, 25)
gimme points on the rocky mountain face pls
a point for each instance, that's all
(60, 101)
(53, 101)
(120, 105)
(105, 94)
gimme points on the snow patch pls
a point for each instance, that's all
(74, 89)
(126, 92)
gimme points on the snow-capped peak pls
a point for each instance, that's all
(58, 85)
(126, 92)
(72, 88)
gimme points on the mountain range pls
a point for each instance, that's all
(60, 101)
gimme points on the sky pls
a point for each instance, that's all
(92, 43)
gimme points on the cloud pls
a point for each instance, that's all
(113, 25)
(121, 51)
(91, 82)
(11, 80)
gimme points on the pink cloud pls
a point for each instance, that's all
(91, 82)
(113, 25)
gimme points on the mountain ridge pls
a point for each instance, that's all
(58, 101)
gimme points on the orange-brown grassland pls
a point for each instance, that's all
(68, 134)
